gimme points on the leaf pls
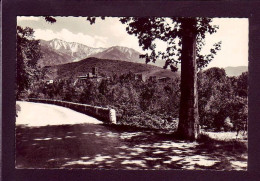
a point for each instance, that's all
(50, 19)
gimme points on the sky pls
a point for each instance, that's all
(233, 32)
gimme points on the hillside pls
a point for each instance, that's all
(105, 67)
(51, 57)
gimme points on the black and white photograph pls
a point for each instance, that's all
(131, 93)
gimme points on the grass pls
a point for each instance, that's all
(234, 145)
(227, 135)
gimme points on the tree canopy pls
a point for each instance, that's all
(170, 31)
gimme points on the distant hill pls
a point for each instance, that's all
(236, 71)
(105, 67)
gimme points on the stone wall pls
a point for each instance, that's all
(103, 114)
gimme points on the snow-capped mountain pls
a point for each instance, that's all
(77, 50)
(120, 53)
(125, 54)
(57, 52)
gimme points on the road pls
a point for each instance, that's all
(49, 136)
(35, 114)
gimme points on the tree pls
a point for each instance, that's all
(28, 53)
(215, 95)
(222, 100)
(241, 86)
(185, 38)
(239, 104)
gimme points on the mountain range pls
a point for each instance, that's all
(57, 52)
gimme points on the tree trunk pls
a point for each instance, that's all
(188, 127)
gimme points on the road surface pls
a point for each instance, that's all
(35, 114)
(49, 136)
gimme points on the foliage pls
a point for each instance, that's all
(220, 98)
(170, 30)
(28, 53)
(50, 19)
(155, 104)
(137, 103)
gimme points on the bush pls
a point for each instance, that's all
(228, 125)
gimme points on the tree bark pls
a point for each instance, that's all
(188, 127)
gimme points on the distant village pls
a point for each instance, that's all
(94, 76)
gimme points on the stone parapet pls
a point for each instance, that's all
(106, 115)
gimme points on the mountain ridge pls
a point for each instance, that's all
(58, 51)
(55, 50)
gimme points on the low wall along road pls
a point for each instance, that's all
(103, 114)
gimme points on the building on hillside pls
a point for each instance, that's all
(95, 71)
(93, 76)
(139, 76)
(90, 75)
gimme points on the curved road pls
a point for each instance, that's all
(36, 114)
(49, 136)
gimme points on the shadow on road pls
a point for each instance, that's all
(108, 147)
